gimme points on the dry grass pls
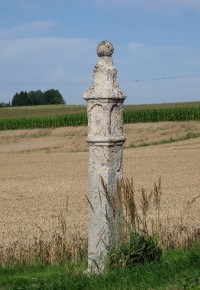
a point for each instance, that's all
(73, 139)
(60, 247)
(39, 170)
(149, 134)
(127, 215)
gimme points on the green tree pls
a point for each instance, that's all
(53, 97)
(35, 97)
(2, 105)
(21, 99)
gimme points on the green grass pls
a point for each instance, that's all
(55, 110)
(40, 111)
(79, 119)
(163, 105)
(13, 118)
(162, 115)
(179, 269)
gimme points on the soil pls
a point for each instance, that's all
(43, 176)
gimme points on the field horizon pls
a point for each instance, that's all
(52, 110)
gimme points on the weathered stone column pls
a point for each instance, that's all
(105, 138)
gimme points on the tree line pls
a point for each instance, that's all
(3, 105)
(34, 98)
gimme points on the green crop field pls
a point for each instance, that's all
(12, 118)
(40, 111)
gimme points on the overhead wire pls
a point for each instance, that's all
(83, 83)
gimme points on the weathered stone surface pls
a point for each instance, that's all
(105, 138)
(105, 48)
(104, 85)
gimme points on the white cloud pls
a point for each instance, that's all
(135, 46)
(50, 60)
(141, 62)
(26, 29)
(54, 62)
(147, 53)
(44, 49)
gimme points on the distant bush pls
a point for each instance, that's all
(3, 105)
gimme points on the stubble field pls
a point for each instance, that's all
(43, 176)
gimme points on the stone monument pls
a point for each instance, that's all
(105, 139)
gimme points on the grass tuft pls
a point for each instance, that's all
(138, 229)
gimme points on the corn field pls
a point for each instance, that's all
(80, 119)
(160, 115)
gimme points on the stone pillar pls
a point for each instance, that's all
(105, 138)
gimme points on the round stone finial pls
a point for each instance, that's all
(105, 48)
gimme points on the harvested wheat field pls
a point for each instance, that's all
(43, 175)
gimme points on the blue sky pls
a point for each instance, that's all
(52, 44)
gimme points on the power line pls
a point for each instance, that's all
(162, 78)
(84, 83)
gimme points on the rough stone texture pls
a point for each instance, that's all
(105, 48)
(105, 138)
(104, 85)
